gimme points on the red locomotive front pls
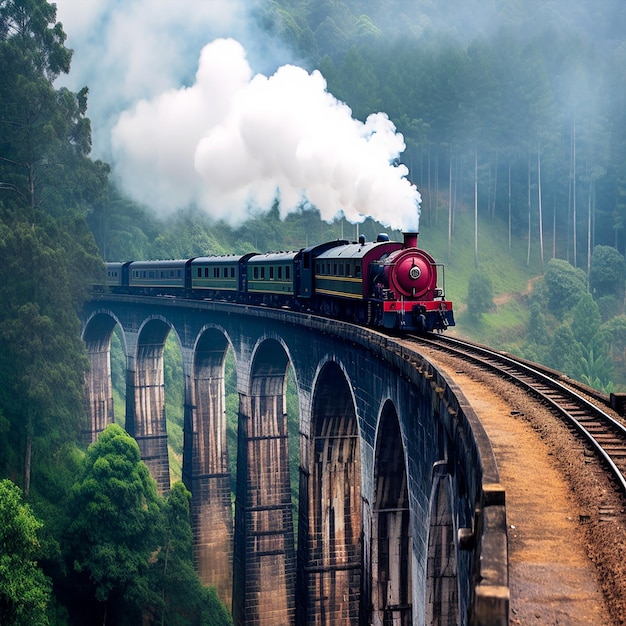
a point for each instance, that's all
(406, 285)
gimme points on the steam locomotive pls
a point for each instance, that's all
(383, 283)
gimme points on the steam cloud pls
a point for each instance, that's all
(233, 142)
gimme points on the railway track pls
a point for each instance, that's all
(603, 435)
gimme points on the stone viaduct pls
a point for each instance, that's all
(401, 515)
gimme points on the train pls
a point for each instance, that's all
(386, 284)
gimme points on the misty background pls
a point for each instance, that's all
(213, 104)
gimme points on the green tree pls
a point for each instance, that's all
(566, 354)
(47, 183)
(116, 527)
(24, 589)
(479, 295)
(537, 331)
(122, 229)
(565, 286)
(360, 86)
(607, 271)
(43, 130)
(596, 369)
(537, 336)
(43, 360)
(614, 333)
(586, 321)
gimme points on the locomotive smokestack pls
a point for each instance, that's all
(410, 240)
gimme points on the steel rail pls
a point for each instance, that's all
(547, 389)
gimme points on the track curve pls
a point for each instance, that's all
(602, 434)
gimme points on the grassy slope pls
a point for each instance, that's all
(507, 269)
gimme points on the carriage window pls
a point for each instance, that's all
(357, 270)
(287, 272)
(262, 273)
(206, 272)
(271, 273)
(225, 272)
(280, 272)
(256, 272)
(335, 269)
(216, 272)
(232, 272)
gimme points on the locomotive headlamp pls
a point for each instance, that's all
(415, 272)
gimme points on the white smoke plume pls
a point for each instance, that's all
(232, 142)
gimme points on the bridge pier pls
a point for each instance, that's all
(205, 467)
(264, 560)
(442, 593)
(333, 555)
(98, 385)
(391, 528)
(145, 401)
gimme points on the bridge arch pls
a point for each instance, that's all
(391, 547)
(331, 507)
(206, 471)
(97, 333)
(264, 561)
(442, 584)
(145, 398)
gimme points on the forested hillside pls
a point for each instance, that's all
(84, 538)
(523, 104)
(514, 119)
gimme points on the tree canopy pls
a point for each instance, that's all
(24, 589)
(128, 550)
(115, 511)
(607, 271)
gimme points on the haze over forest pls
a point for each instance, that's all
(187, 128)
(513, 84)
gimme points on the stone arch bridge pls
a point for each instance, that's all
(401, 515)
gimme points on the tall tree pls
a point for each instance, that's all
(47, 183)
(116, 527)
(43, 359)
(565, 284)
(32, 55)
(565, 353)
